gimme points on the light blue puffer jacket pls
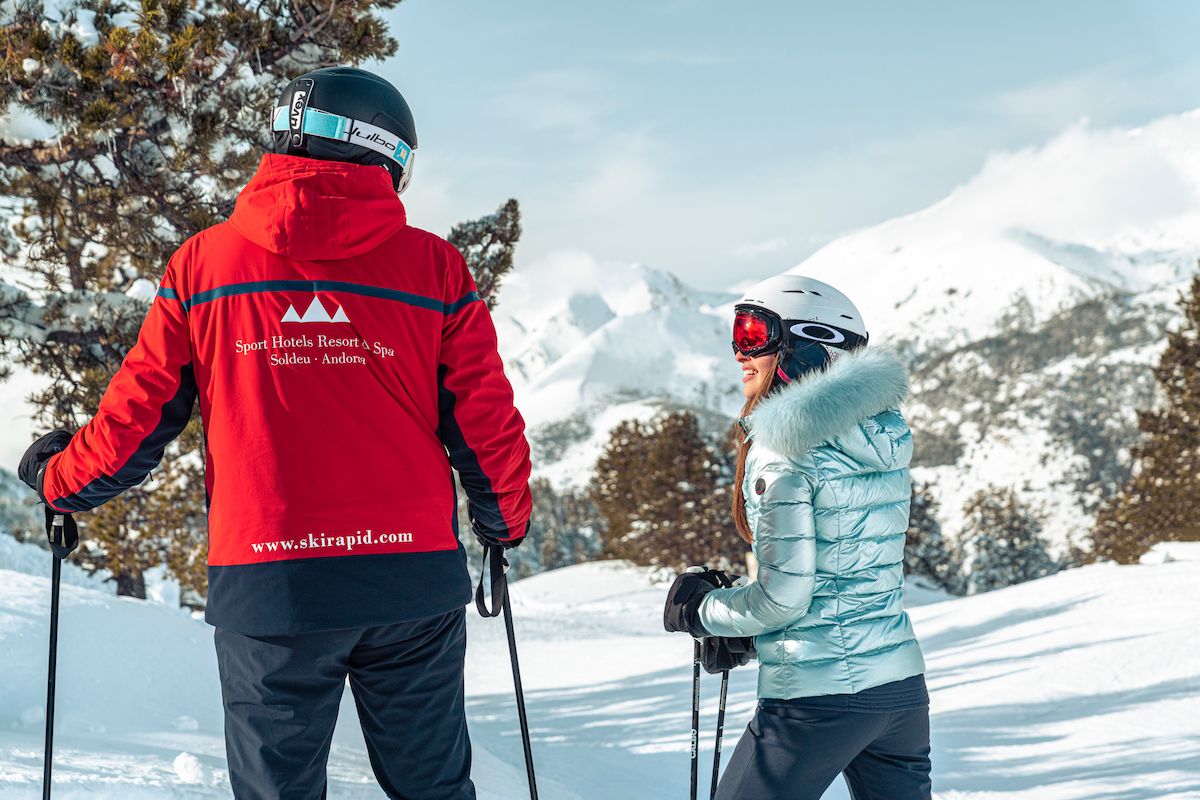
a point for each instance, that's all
(827, 492)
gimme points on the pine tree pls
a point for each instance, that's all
(1161, 502)
(488, 244)
(1004, 537)
(663, 492)
(565, 520)
(158, 110)
(927, 552)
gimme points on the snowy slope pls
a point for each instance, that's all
(139, 704)
(1082, 685)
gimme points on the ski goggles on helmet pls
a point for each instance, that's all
(304, 120)
(756, 332)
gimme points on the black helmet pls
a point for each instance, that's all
(346, 114)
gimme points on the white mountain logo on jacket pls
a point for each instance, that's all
(316, 313)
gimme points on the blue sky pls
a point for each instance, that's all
(729, 141)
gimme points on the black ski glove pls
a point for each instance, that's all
(33, 463)
(719, 653)
(682, 612)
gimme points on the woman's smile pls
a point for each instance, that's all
(754, 371)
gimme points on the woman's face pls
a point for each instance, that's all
(755, 372)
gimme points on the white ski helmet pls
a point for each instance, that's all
(807, 321)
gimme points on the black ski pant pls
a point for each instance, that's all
(793, 752)
(281, 697)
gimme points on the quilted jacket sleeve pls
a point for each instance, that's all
(785, 544)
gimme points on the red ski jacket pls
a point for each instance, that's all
(344, 363)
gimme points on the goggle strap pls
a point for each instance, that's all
(328, 125)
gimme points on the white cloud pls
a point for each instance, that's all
(626, 171)
(1092, 185)
(1106, 93)
(750, 250)
(569, 99)
(1058, 102)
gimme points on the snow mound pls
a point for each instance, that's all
(30, 559)
(1167, 552)
(188, 768)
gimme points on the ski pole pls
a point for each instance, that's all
(496, 565)
(63, 536)
(55, 584)
(695, 718)
(720, 733)
(516, 669)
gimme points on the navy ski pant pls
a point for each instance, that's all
(281, 697)
(793, 752)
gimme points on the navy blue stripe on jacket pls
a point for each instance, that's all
(258, 287)
(483, 503)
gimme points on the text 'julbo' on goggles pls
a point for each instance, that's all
(756, 333)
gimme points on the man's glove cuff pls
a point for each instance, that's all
(488, 541)
(32, 469)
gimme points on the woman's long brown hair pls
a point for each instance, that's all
(743, 445)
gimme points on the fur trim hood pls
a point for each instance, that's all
(824, 405)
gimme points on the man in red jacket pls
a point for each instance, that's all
(344, 363)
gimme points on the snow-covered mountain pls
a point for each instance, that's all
(1035, 233)
(600, 344)
(1031, 302)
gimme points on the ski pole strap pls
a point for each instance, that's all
(495, 567)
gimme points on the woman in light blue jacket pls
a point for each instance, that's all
(822, 496)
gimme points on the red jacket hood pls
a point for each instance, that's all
(312, 210)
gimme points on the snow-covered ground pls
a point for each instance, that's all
(1081, 685)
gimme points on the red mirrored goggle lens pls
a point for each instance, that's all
(750, 332)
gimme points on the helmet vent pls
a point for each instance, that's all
(847, 316)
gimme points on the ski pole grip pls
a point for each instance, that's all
(61, 532)
(495, 567)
